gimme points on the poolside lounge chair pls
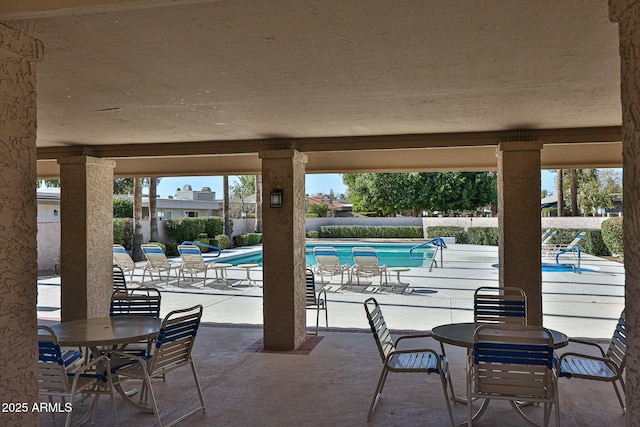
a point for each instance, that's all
(513, 363)
(156, 262)
(547, 236)
(607, 366)
(416, 360)
(122, 259)
(552, 249)
(365, 259)
(328, 263)
(193, 262)
(316, 300)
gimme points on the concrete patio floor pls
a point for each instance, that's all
(333, 384)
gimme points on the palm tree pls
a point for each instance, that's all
(226, 208)
(153, 208)
(137, 219)
(258, 185)
(560, 197)
(574, 192)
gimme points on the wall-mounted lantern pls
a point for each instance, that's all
(275, 199)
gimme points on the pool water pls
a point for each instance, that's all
(557, 268)
(390, 254)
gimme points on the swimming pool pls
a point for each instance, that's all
(390, 254)
(557, 268)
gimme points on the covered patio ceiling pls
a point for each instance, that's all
(439, 82)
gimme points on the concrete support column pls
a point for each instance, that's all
(283, 242)
(18, 227)
(627, 14)
(519, 221)
(86, 236)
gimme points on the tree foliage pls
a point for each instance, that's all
(595, 188)
(122, 208)
(391, 193)
(123, 186)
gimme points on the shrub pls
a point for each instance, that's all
(247, 239)
(123, 232)
(172, 249)
(122, 208)
(224, 242)
(612, 235)
(483, 236)
(448, 231)
(313, 234)
(181, 229)
(357, 231)
(311, 215)
(213, 225)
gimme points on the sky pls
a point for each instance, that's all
(315, 183)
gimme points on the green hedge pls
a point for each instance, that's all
(181, 229)
(488, 236)
(313, 234)
(248, 239)
(612, 235)
(358, 231)
(592, 242)
(224, 242)
(448, 231)
(123, 232)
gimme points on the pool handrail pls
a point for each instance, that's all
(204, 245)
(438, 242)
(571, 249)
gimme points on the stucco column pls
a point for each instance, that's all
(627, 14)
(519, 221)
(86, 236)
(18, 227)
(283, 243)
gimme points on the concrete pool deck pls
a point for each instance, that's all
(581, 305)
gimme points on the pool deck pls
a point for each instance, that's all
(584, 305)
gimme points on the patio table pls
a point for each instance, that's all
(114, 332)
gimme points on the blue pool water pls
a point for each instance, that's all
(391, 254)
(557, 268)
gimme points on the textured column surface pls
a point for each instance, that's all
(519, 221)
(18, 225)
(283, 242)
(627, 14)
(86, 236)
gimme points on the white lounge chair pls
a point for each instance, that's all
(328, 263)
(122, 259)
(156, 262)
(193, 262)
(552, 249)
(365, 264)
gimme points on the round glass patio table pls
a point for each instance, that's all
(461, 335)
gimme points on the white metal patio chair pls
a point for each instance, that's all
(62, 374)
(328, 264)
(499, 305)
(136, 302)
(316, 300)
(365, 264)
(418, 360)
(172, 351)
(607, 366)
(193, 262)
(156, 262)
(122, 259)
(119, 282)
(515, 363)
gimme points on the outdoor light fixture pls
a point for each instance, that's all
(275, 199)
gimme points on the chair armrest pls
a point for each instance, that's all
(588, 343)
(413, 336)
(322, 295)
(606, 361)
